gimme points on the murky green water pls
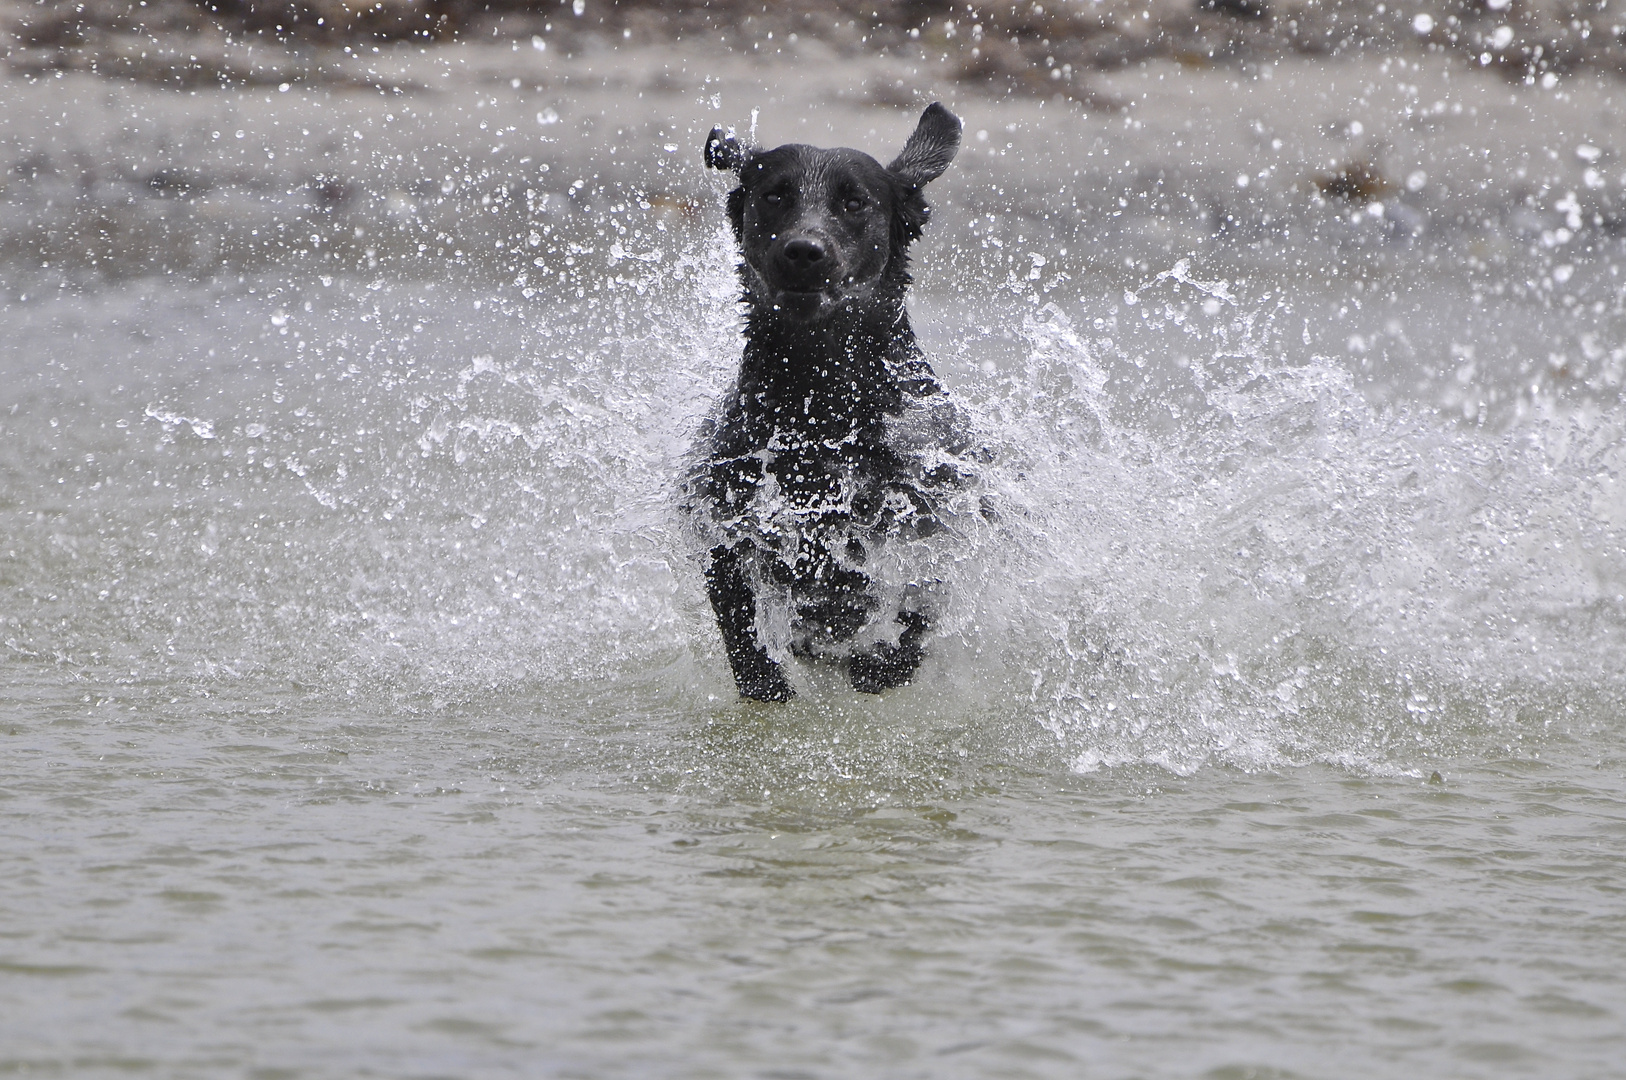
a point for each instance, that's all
(363, 714)
(264, 888)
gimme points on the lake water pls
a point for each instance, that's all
(364, 714)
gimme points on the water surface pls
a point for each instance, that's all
(364, 715)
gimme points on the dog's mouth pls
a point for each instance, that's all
(811, 305)
(806, 305)
(807, 299)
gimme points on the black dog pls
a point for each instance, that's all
(837, 440)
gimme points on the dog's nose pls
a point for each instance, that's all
(805, 254)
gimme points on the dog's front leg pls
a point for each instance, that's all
(756, 673)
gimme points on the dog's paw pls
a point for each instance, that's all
(887, 667)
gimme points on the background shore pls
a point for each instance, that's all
(1382, 175)
(1207, 126)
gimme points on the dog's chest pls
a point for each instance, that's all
(776, 476)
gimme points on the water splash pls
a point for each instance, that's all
(1289, 574)
(1209, 547)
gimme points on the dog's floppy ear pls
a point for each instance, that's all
(725, 151)
(930, 149)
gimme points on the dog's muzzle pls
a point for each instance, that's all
(804, 276)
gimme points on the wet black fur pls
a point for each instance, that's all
(800, 474)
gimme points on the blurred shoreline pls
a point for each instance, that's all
(1414, 204)
(1028, 47)
(187, 142)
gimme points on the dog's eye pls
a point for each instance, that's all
(853, 205)
(774, 198)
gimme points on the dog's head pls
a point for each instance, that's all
(821, 228)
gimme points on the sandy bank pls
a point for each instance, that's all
(456, 146)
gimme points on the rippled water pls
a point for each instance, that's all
(365, 715)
